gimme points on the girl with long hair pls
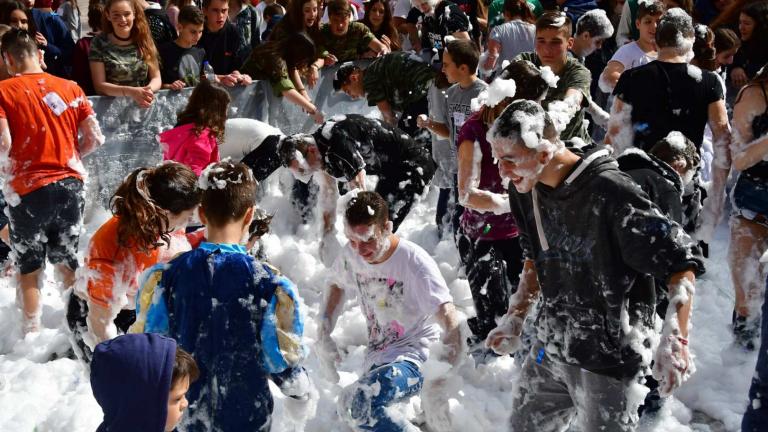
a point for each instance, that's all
(124, 60)
(199, 128)
(378, 18)
(148, 207)
(753, 55)
(273, 60)
(302, 16)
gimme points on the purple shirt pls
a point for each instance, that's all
(480, 225)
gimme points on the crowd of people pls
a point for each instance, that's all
(582, 151)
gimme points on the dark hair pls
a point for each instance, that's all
(293, 52)
(8, 6)
(555, 20)
(594, 23)
(463, 52)
(140, 199)
(704, 55)
(758, 11)
(294, 18)
(685, 5)
(519, 8)
(668, 152)
(291, 144)
(191, 14)
(529, 85)
(207, 108)
(272, 10)
(672, 26)
(184, 366)
(95, 12)
(224, 204)
(18, 44)
(341, 77)
(726, 39)
(652, 8)
(387, 26)
(509, 122)
(367, 208)
(207, 3)
(339, 7)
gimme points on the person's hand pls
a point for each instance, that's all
(5, 235)
(41, 40)
(384, 51)
(143, 96)
(313, 76)
(739, 77)
(330, 60)
(318, 116)
(434, 400)
(243, 79)
(327, 352)
(505, 338)
(422, 121)
(177, 85)
(386, 41)
(228, 80)
(672, 364)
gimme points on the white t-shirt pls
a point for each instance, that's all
(632, 56)
(398, 298)
(401, 8)
(242, 136)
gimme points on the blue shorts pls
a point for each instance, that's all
(750, 196)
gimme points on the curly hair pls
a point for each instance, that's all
(207, 108)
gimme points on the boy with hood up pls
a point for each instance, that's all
(152, 375)
(589, 237)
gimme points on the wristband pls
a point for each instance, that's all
(683, 340)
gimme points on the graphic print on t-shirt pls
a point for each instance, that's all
(382, 303)
(189, 69)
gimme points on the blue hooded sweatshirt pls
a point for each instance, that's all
(131, 379)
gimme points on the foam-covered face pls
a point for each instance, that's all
(309, 11)
(521, 165)
(371, 242)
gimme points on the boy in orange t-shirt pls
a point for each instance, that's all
(40, 115)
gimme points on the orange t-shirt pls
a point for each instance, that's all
(43, 113)
(110, 264)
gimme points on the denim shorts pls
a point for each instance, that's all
(750, 196)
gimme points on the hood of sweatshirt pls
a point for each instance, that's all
(131, 379)
(636, 159)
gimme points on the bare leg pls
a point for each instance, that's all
(748, 242)
(30, 301)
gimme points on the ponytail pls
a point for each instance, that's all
(143, 200)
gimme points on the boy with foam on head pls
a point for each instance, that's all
(460, 60)
(141, 381)
(553, 40)
(592, 29)
(635, 53)
(239, 317)
(46, 125)
(182, 60)
(402, 294)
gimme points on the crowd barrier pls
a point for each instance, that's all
(131, 132)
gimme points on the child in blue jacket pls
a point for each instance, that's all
(237, 316)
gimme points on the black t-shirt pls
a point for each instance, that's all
(447, 20)
(354, 142)
(223, 49)
(668, 97)
(177, 63)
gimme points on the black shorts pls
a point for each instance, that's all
(47, 221)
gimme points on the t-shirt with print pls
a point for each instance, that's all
(573, 76)
(123, 65)
(631, 56)
(666, 97)
(43, 114)
(443, 152)
(515, 37)
(223, 49)
(398, 299)
(459, 108)
(447, 20)
(348, 47)
(484, 225)
(179, 63)
(398, 79)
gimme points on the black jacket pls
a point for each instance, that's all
(599, 236)
(657, 179)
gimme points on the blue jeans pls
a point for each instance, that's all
(756, 417)
(364, 403)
